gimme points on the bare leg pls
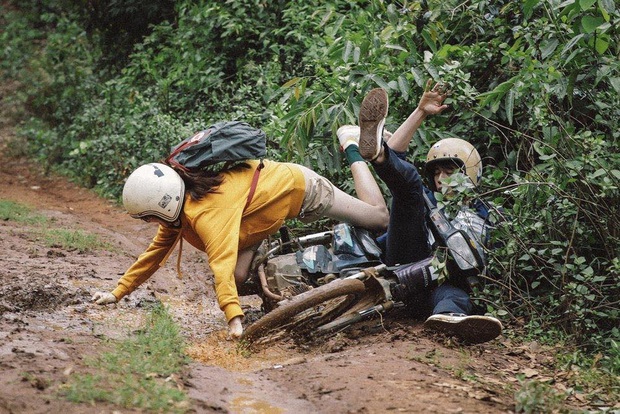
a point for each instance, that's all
(369, 210)
(244, 260)
(374, 214)
(366, 186)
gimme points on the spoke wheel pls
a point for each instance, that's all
(303, 313)
(373, 296)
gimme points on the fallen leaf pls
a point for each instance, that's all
(580, 397)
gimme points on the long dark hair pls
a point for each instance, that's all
(202, 182)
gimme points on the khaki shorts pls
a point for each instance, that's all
(318, 199)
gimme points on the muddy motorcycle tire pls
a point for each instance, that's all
(303, 313)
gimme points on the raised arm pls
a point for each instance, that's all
(431, 103)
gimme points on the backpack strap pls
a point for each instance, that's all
(254, 183)
(170, 160)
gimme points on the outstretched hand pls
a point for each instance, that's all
(235, 329)
(431, 102)
(103, 298)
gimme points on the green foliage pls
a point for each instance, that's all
(12, 211)
(535, 87)
(138, 372)
(122, 24)
(601, 386)
(62, 80)
(19, 40)
(538, 397)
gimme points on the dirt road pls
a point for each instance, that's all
(48, 326)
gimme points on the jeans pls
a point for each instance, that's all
(450, 299)
(406, 240)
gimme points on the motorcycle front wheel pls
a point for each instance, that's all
(304, 312)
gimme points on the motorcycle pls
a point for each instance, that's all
(321, 283)
(306, 281)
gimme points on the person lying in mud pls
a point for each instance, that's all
(448, 307)
(210, 212)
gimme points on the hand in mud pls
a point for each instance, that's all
(431, 102)
(235, 329)
(103, 298)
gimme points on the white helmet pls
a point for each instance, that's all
(459, 151)
(154, 190)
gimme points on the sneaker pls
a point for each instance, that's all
(348, 135)
(373, 111)
(387, 135)
(474, 329)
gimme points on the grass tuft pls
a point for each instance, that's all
(74, 240)
(140, 372)
(19, 213)
(53, 237)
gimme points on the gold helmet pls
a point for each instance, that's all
(459, 151)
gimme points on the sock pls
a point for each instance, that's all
(352, 153)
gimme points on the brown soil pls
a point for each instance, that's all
(48, 326)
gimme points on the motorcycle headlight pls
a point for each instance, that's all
(461, 251)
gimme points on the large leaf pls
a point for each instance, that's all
(591, 23)
(609, 6)
(548, 48)
(572, 43)
(404, 87)
(379, 81)
(586, 4)
(347, 51)
(601, 45)
(497, 93)
(428, 39)
(528, 7)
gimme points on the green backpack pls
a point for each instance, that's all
(227, 141)
(221, 142)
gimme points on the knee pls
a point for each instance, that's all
(382, 218)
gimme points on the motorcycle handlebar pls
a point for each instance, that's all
(314, 238)
(369, 271)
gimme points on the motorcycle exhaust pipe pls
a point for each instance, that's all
(265, 286)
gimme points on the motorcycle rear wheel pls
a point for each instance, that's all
(305, 312)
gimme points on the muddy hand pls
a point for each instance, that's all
(235, 329)
(431, 102)
(103, 298)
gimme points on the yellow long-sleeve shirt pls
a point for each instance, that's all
(219, 226)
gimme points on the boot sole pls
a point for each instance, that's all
(372, 119)
(473, 329)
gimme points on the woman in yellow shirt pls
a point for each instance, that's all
(216, 214)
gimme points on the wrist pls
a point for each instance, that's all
(420, 112)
